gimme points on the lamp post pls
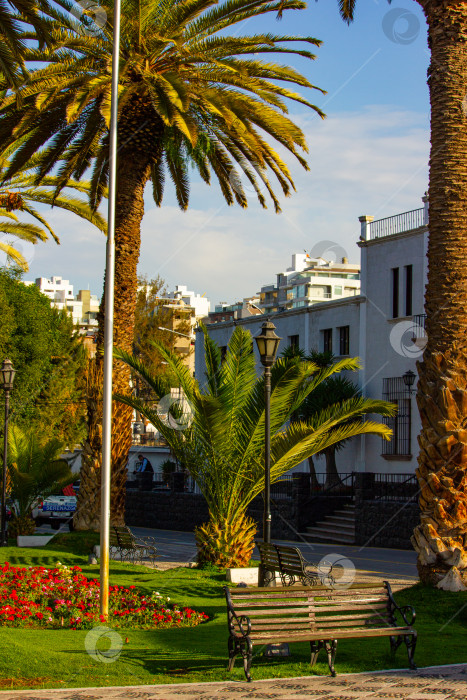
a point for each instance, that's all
(409, 378)
(267, 342)
(8, 375)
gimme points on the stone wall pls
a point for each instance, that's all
(385, 523)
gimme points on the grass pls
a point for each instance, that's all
(198, 653)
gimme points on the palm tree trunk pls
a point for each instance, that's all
(332, 475)
(314, 485)
(440, 539)
(133, 173)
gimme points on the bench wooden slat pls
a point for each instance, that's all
(336, 634)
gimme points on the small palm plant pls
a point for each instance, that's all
(35, 471)
(20, 194)
(217, 432)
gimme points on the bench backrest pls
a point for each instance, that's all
(269, 556)
(301, 609)
(124, 537)
(290, 559)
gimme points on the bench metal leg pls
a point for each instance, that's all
(246, 650)
(233, 652)
(395, 644)
(331, 648)
(315, 649)
(411, 642)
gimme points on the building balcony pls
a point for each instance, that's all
(400, 223)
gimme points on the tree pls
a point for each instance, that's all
(441, 538)
(154, 312)
(217, 432)
(49, 357)
(36, 471)
(189, 94)
(13, 45)
(20, 194)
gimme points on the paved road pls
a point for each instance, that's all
(394, 563)
(441, 683)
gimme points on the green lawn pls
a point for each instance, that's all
(198, 653)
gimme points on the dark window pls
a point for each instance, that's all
(395, 391)
(408, 289)
(294, 341)
(327, 340)
(344, 335)
(395, 292)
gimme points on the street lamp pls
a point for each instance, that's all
(267, 342)
(8, 375)
(409, 378)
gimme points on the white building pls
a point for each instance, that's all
(383, 325)
(310, 281)
(83, 308)
(198, 302)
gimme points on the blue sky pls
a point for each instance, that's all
(368, 157)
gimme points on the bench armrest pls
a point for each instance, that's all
(241, 620)
(403, 610)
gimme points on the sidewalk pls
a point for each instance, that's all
(433, 683)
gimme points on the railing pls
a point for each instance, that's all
(395, 487)
(418, 328)
(407, 221)
(181, 482)
(149, 440)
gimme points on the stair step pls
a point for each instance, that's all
(337, 539)
(339, 519)
(333, 526)
(330, 531)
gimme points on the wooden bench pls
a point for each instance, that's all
(318, 615)
(292, 567)
(129, 547)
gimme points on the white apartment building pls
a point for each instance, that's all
(198, 302)
(83, 308)
(383, 325)
(310, 281)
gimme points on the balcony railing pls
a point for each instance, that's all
(408, 221)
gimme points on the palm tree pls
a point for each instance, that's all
(189, 95)
(36, 471)
(19, 193)
(218, 432)
(13, 44)
(441, 538)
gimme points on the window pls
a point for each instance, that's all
(395, 391)
(408, 289)
(344, 335)
(327, 340)
(338, 290)
(294, 341)
(395, 291)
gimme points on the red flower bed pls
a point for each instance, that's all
(64, 597)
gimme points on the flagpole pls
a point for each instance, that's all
(108, 324)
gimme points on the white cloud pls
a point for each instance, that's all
(369, 162)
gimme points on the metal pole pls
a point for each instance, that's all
(108, 324)
(4, 540)
(267, 456)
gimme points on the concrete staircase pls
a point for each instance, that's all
(338, 528)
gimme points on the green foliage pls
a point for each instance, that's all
(189, 94)
(49, 360)
(35, 469)
(153, 312)
(221, 439)
(20, 194)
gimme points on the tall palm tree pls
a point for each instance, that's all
(220, 436)
(441, 538)
(189, 95)
(13, 44)
(20, 194)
